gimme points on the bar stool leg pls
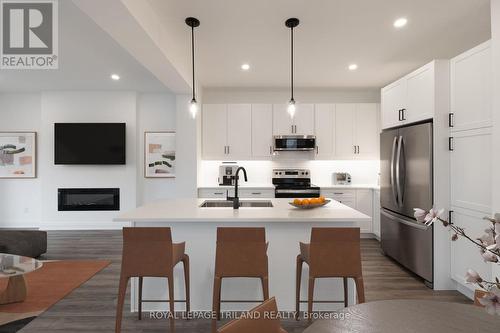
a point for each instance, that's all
(310, 297)
(171, 302)
(265, 287)
(297, 288)
(346, 293)
(216, 299)
(122, 290)
(360, 289)
(185, 262)
(140, 297)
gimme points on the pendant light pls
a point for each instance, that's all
(291, 23)
(193, 105)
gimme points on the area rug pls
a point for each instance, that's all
(47, 286)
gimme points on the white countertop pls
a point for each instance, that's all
(189, 210)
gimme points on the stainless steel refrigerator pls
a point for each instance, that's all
(406, 183)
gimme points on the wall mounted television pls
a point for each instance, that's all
(89, 143)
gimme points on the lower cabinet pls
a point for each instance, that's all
(359, 199)
(222, 192)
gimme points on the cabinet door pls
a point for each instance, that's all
(471, 170)
(282, 122)
(367, 131)
(364, 204)
(471, 82)
(304, 119)
(393, 100)
(344, 130)
(214, 135)
(420, 100)
(324, 118)
(262, 130)
(239, 131)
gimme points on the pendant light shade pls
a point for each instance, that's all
(291, 23)
(193, 105)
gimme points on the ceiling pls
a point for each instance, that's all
(87, 58)
(332, 34)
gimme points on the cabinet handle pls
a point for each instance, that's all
(292, 129)
(358, 149)
(451, 146)
(451, 122)
(338, 193)
(228, 152)
(354, 149)
(399, 116)
(270, 150)
(317, 150)
(256, 193)
(218, 193)
(403, 114)
(225, 150)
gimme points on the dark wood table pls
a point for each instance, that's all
(409, 316)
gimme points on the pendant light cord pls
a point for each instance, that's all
(192, 54)
(291, 62)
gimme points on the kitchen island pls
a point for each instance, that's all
(285, 225)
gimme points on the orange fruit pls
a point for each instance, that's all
(306, 202)
(314, 201)
(322, 199)
(297, 202)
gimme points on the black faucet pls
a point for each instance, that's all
(236, 199)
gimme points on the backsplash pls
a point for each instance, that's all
(259, 172)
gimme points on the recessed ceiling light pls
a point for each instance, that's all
(115, 77)
(400, 22)
(245, 67)
(353, 67)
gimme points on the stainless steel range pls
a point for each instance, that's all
(294, 183)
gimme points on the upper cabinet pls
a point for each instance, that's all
(357, 131)
(245, 131)
(302, 123)
(410, 99)
(471, 83)
(262, 130)
(227, 131)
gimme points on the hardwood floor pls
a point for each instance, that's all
(91, 308)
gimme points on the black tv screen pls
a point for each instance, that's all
(89, 143)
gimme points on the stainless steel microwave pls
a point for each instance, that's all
(294, 142)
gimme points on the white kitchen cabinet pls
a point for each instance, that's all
(239, 131)
(359, 199)
(420, 95)
(262, 130)
(411, 98)
(222, 192)
(367, 131)
(376, 213)
(471, 94)
(357, 131)
(214, 131)
(393, 100)
(464, 254)
(324, 118)
(302, 122)
(470, 172)
(364, 204)
(227, 131)
(345, 115)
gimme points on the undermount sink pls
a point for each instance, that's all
(229, 204)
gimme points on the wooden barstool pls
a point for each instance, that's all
(333, 252)
(149, 252)
(263, 319)
(240, 252)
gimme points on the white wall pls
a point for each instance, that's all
(66, 107)
(155, 112)
(19, 198)
(495, 43)
(33, 202)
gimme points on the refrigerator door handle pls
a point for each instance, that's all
(393, 155)
(398, 173)
(408, 222)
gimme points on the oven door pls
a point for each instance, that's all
(294, 142)
(296, 193)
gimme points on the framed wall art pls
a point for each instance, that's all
(159, 154)
(17, 154)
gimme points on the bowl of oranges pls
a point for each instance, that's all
(309, 203)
